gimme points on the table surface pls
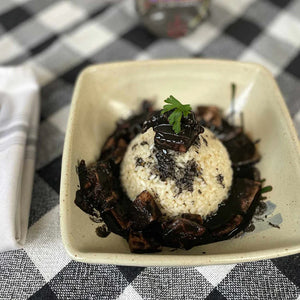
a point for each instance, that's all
(58, 39)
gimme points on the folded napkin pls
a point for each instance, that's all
(19, 116)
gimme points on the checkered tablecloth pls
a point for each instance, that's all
(58, 39)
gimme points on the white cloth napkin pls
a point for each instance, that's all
(19, 117)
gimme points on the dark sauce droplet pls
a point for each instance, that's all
(274, 225)
(139, 162)
(165, 164)
(261, 208)
(220, 179)
(250, 227)
(186, 181)
(102, 231)
(205, 141)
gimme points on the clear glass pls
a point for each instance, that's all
(172, 18)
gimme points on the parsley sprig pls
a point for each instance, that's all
(179, 110)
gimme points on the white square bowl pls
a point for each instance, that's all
(105, 93)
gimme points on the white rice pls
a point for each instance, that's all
(208, 192)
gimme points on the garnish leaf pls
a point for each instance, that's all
(167, 108)
(179, 111)
(175, 120)
(266, 189)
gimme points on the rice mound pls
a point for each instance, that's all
(139, 172)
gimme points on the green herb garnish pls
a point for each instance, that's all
(266, 189)
(179, 110)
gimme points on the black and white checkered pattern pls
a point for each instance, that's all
(59, 38)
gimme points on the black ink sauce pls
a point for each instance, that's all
(220, 179)
(140, 221)
(102, 231)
